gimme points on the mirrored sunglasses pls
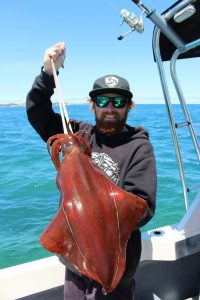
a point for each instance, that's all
(117, 102)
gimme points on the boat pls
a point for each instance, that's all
(169, 268)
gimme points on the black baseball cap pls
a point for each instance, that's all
(111, 84)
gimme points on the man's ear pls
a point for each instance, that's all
(93, 106)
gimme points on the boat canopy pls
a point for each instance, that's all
(188, 30)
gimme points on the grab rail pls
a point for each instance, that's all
(161, 25)
(174, 126)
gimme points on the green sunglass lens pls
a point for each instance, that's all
(119, 102)
(102, 101)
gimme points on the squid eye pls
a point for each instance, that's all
(65, 146)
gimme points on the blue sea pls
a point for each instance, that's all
(28, 193)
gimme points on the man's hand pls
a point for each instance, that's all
(57, 53)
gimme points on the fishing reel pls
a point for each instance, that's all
(133, 22)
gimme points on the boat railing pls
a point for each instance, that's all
(180, 11)
(181, 98)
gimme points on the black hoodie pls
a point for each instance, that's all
(127, 157)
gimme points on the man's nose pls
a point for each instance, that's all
(110, 107)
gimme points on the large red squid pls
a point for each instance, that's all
(95, 219)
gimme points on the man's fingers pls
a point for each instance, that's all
(57, 53)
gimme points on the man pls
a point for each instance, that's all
(123, 152)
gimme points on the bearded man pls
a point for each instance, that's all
(123, 152)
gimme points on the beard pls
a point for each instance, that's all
(112, 126)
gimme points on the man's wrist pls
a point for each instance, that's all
(47, 72)
(47, 79)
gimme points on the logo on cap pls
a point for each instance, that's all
(111, 81)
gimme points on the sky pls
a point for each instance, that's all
(89, 29)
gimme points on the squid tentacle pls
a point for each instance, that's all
(54, 146)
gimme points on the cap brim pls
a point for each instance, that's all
(97, 92)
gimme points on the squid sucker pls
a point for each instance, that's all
(95, 219)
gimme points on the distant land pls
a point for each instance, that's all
(24, 104)
(138, 100)
(68, 101)
(12, 104)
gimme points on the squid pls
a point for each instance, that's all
(95, 218)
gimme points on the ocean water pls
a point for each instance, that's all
(28, 193)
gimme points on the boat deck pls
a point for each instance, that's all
(52, 294)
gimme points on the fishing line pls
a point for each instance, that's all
(63, 110)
